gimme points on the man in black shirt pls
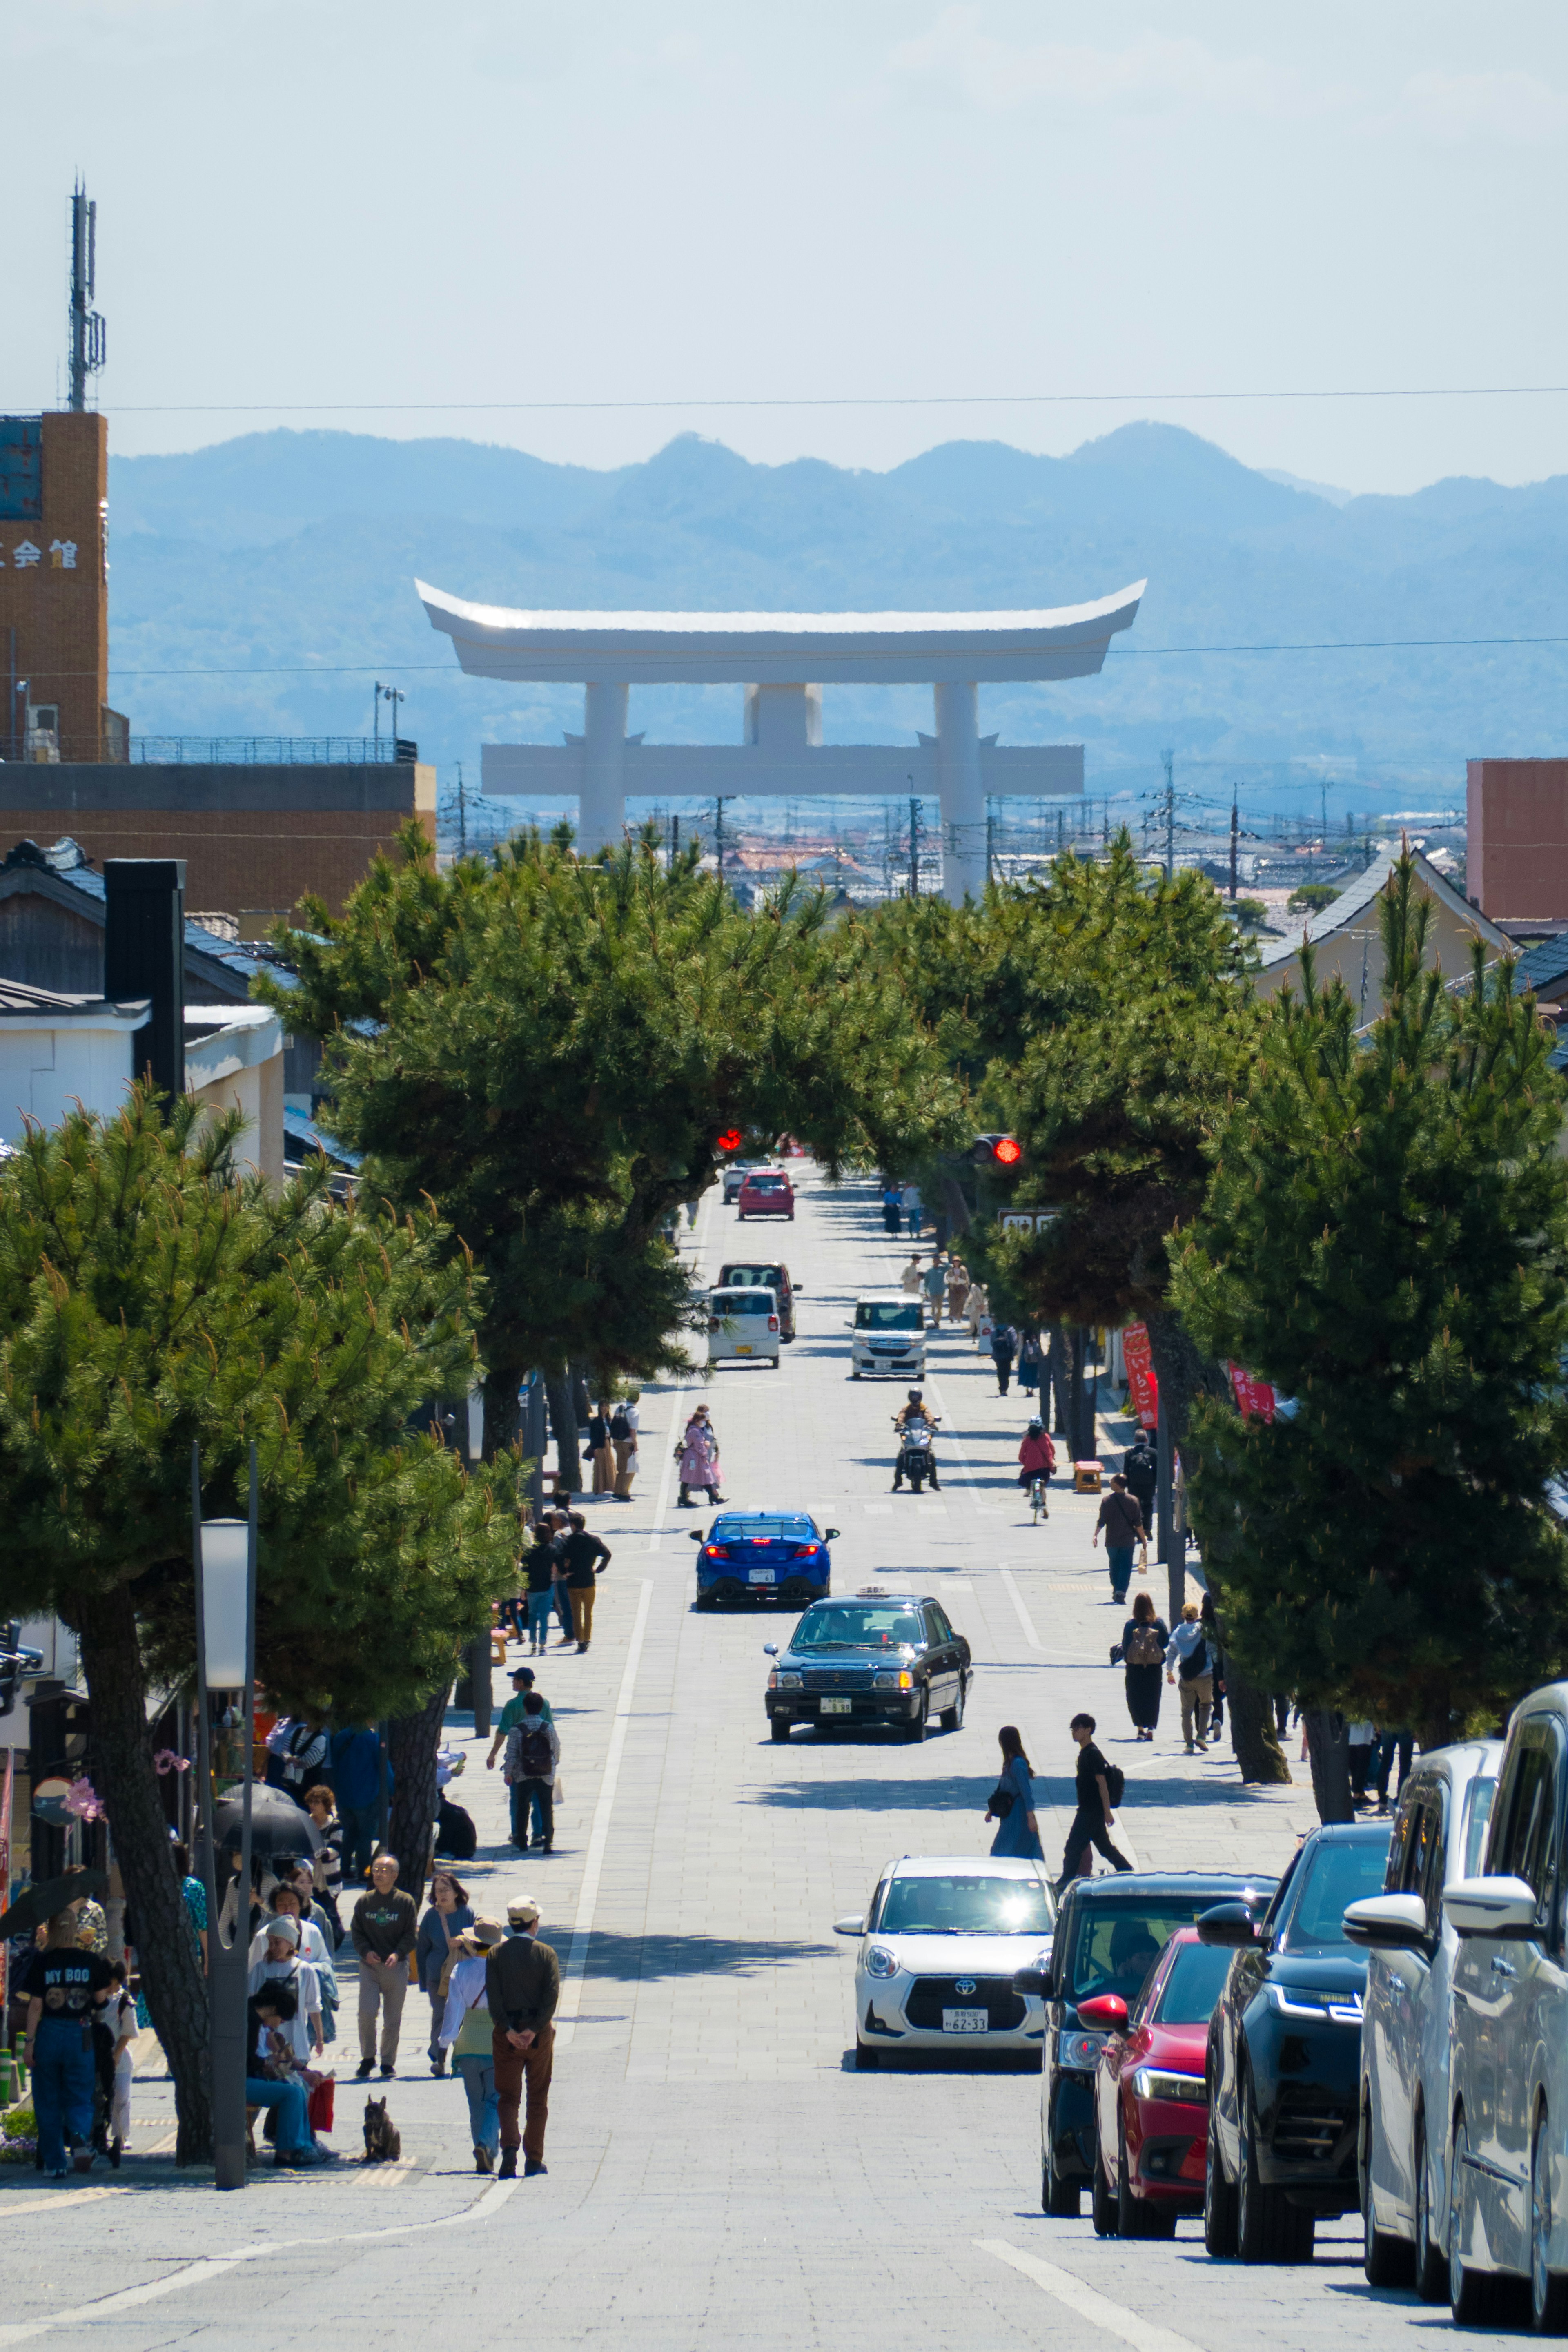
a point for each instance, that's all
(1141, 1469)
(64, 1988)
(584, 1556)
(1093, 1821)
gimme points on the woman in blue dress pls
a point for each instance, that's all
(1018, 1834)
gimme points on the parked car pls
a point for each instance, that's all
(1284, 2053)
(744, 1275)
(766, 1193)
(1508, 2117)
(941, 1939)
(1150, 2098)
(764, 1556)
(883, 1658)
(888, 1331)
(734, 1175)
(743, 1323)
(1109, 1933)
(1439, 1837)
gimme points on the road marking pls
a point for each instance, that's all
(10, 2205)
(1114, 2318)
(215, 2266)
(582, 1925)
(384, 2176)
(878, 1510)
(1025, 1620)
(966, 1471)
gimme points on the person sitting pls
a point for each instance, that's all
(1133, 1951)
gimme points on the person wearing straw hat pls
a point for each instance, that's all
(467, 2031)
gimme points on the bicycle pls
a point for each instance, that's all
(1038, 1500)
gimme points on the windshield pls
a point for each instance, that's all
(887, 1315)
(1194, 1982)
(854, 1628)
(1477, 1821)
(966, 1905)
(796, 1529)
(742, 1302)
(1335, 1875)
(1118, 1944)
(765, 1183)
(744, 1277)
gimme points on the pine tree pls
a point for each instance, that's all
(1386, 1241)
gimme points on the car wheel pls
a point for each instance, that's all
(1548, 2288)
(780, 1725)
(1386, 2260)
(854, 1371)
(866, 2059)
(1473, 2295)
(1431, 2269)
(1219, 2198)
(952, 1718)
(1268, 2229)
(1102, 2203)
(1062, 2199)
(916, 1731)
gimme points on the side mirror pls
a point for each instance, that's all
(798, 1292)
(770, 1649)
(1228, 1924)
(1035, 1980)
(694, 1536)
(1387, 1923)
(829, 1533)
(856, 1926)
(1106, 2010)
(1491, 1907)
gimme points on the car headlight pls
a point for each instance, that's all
(1080, 2050)
(895, 1682)
(1337, 2006)
(880, 1962)
(783, 1682)
(1154, 2083)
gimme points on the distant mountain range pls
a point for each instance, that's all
(240, 568)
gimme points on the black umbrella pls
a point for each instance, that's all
(36, 1906)
(277, 1825)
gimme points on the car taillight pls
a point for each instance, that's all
(714, 1551)
(806, 1551)
(773, 1322)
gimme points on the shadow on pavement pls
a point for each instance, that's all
(953, 1793)
(630, 1958)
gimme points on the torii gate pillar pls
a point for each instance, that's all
(960, 793)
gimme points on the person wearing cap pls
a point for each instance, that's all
(523, 1805)
(522, 1985)
(282, 1965)
(467, 2033)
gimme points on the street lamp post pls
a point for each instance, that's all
(224, 1555)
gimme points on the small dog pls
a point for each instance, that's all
(383, 2141)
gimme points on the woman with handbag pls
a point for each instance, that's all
(598, 1451)
(1011, 1804)
(434, 1950)
(1141, 1652)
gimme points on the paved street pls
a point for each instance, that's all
(718, 2175)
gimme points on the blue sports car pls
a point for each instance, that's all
(764, 1556)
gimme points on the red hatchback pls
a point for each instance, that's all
(767, 1193)
(1151, 2104)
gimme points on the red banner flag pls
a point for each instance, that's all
(1142, 1385)
(1253, 1397)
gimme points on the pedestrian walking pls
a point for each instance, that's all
(468, 2033)
(446, 1915)
(384, 1928)
(357, 1781)
(1037, 1455)
(1189, 1666)
(512, 1715)
(623, 1425)
(1096, 1818)
(522, 1985)
(892, 1208)
(697, 1456)
(1141, 1652)
(1011, 1804)
(600, 1452)
(1004, 1347)
(957, 1289)
(933, 1281)
(1391, 1744)
(529, 1769)
(117, 2021)
(1121, 1520)
(584, 1558)
(1363, 1738)
(910, 1280)
(1141, 1469)
(1031, 1362)
(539, 1563)
(64, 1988)
(560, 1598)
(978, 1314)
(914, 1210)
(326, 1863)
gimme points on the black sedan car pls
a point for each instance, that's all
(1284, 2053)
(880, 1657)
(1109, 1933)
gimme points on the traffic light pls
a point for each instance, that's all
(996, 1152)
(730, 1140)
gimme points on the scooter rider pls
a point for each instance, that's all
(913, 1415)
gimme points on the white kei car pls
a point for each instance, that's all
(939, 1941)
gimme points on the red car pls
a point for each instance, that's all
(1151, 2103)
(767, 1193)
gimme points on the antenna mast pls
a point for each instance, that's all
(90, 336)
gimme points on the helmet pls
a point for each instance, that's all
(916, 1395)
(1036, 1428)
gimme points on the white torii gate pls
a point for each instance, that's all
(772, 656)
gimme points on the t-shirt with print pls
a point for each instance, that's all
(68, 1983)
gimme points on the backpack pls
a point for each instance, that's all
(1196, 1663)
(620, 1427)
(1116, 1783)
(1144, 1648)
(533, 1753)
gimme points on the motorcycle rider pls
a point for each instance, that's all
(912, 1415)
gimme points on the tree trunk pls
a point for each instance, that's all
(412, 1743)
(1055, 1398)
(581, 1401)
(1253, 1735)
(563, 1429)
(172, 1978)
(503, 1408)
(1328, 1749)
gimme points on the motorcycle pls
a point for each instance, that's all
(916, 1456)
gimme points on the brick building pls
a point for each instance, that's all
(54, 589)
(1516, 849)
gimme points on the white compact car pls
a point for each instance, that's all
(940, 1939)
(743, 1323)
(1439, 1836)
(888, 1335)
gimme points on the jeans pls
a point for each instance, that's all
(62, 2086)
(359, 1826)
(528, 1804)
(1004, 1365)
(539, 1607)
(1089, 1830)
(1392, 1743)
(1119, 1560)
(478, 2073)
(288, 2098)
(533, 2066)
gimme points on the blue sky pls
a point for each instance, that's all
(317, 209)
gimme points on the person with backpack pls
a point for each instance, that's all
(1100, 1789)
(623, 1438)
(533, 1754)
(1141, 1469)
(1142, 1651)
(1189, 1666)
(1011, 1804)
(1004, 1348)
(512, 1713)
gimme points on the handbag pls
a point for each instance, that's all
(1001, 1800)
(318, 2105)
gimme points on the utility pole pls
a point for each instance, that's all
(913, 847)
(395, 695)
(376, 717)
(674, 838)
(991, 844)
(1169, 759)
(461, 816)
(89, 339)
(718, 836)
(1235, 824)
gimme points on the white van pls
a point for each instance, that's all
(743, 1322)
(888, 1334)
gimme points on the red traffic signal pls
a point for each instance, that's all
(996, 1152)
(730, 1140)
(1009, 1151)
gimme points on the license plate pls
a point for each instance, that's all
(966, 2020)
(837, 1707)
(744, 1349)
(759, 1576)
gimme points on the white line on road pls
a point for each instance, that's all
(1112, 2318)
(213, 2267)
(598, 1838)
(1025, 1620)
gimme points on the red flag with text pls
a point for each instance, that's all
(1142, 1384)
